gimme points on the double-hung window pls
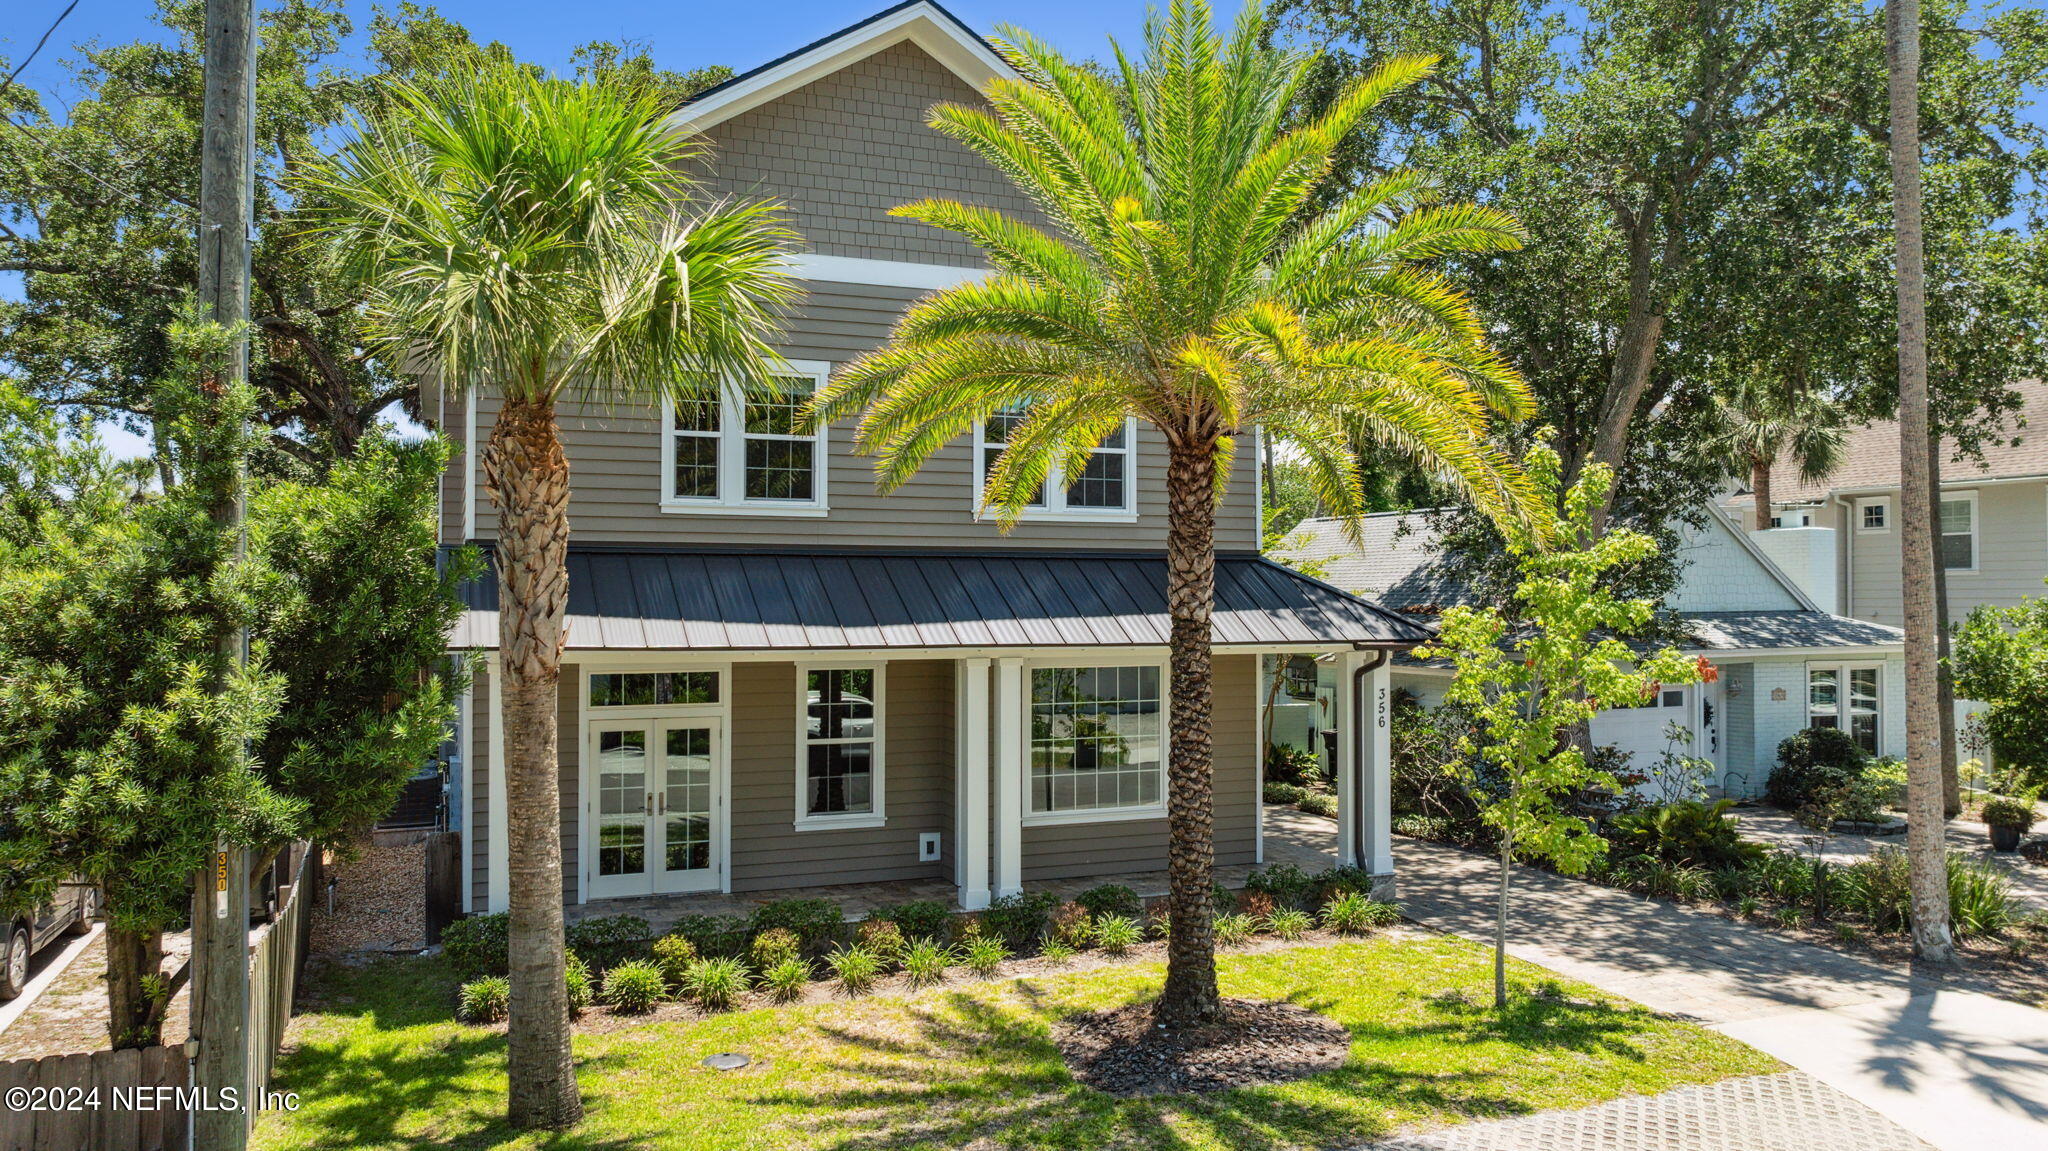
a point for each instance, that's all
(1098, 742)
(1959, 532)
(749, 454)
(1849, 698)
(1106, 488)
(839, 752)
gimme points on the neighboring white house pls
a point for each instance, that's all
(1781, 662)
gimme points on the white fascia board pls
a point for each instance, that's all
(965, 56)
(886, 273)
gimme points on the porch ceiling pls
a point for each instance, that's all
(752, 601)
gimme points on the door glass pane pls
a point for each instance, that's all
(1863, 707)
(687, 826)
(622, 802)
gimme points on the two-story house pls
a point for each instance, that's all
(1781, 662)
(1839, 536)
(777, 677)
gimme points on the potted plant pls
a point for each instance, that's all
(2008, 819)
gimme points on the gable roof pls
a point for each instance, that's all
(922, 22)
(1870, 456)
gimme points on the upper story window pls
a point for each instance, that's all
(1959, 532)
(1874, 516)
(746, 454)
(1106, 488)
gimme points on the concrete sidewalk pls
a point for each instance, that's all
(1963, 1071)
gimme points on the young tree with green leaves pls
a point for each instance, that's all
(536, 237)
(1532, 682)
(2002, 659)
(1180, 284)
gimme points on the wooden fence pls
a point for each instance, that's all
(139, 1100)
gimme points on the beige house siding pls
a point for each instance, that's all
(1067, 851)
(616, 482)
(2012, 556)
(477, 797)
(842, 151)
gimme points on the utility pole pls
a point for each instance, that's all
(220, 897)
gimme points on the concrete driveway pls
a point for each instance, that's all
(1962, 1071)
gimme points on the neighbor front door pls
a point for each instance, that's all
(652, 806)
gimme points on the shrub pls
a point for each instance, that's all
(1847, 933)
(1159, 924)
(984, 954)
(1980, 898)
(2005, 811)
(1256, 904)
(608, 939)
(817, 923)
(1340, 881)
(1789, 917)
(1354, 914)
(1111, 899)
(1287, 763)
(1116, 935)
(484, 1000)
(1284, 793)
(577, 978)
(1234, 930)
(774, 946)
(1057, 952)
(786, 979)
(1811, 762)
(712, 934)
(881, 939)
(478, 945)
(673, 955)
(1288, 923)
(1688, 832)
(1071, 925)
(1318, 803)
(1019, 919)
(715, 984)
(924, 961)
(1782, 873)
(1876, 889)
(634, 987)
(1748, 905)
(1691, 883)
(919, 919)
(855, 967)
(1285, 882)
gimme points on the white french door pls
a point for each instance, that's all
(651, 809)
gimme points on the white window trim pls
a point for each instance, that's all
(1976, 531)
(596, 662)
(1056, 509)
(1842, 670)
(732, 457)
(1032, 818)
(1879, 502)
(804, 820)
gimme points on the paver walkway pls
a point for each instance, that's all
(1791, 1111)
(1957, 1069)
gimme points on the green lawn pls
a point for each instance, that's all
(382, 1064)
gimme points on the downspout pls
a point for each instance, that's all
(1360, 725)
(1845, 516)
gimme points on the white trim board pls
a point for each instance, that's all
(883, 273)
(923, 24)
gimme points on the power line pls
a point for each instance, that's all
(47, 33)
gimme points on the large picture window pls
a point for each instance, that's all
(1098, 739)
(840, 754)
(1106, 487)
(1848, 698)
(746, 453)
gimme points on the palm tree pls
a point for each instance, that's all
(1179, 284)
(531, 235)
(1756, 423)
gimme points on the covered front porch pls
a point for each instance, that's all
(1308, 842)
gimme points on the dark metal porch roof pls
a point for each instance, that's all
(752, 601)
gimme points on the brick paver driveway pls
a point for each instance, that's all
(1957, 1069)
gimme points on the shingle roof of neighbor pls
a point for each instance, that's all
(780, 600)
(1398, 568)
(1870, 456)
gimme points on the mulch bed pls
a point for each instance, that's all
(1124, 1053)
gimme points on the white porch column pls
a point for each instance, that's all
(1348, 746)
(971, 837)
(1009, 739)
(1376, 776)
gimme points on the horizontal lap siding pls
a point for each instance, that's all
(480, 830)
(569, 754)
(1069, 851)
(768, 852)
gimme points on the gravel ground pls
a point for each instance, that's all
(379, 901)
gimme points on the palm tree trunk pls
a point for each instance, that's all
(1951, 776)
(1190, 996)
(1927, 866)
(1760, 486)
(528, 477)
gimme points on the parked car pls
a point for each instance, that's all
(77, 904)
